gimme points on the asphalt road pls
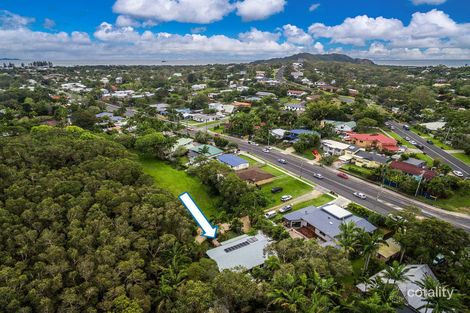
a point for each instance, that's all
(379, 199)
(433, 151)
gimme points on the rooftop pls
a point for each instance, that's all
(231, 160)
(412, 170)
(241, 252)
(384, 140)
(372, 156)
(211, 150)
(327, 219)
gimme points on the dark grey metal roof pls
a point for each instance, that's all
(325, 222)
(372, 156)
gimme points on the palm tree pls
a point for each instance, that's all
(320, 303)
(439, 303)
(396, 272)
(370, 245)
(291, 300)
(348, 238)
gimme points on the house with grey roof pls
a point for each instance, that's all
(367, 159)
(416, 162)
(340, 126)
(324, 222)
(241, 253)
(206, 150)
(408, 287)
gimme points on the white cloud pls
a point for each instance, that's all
(296, 35)
(358, 30)
(125, 21)
(48, 23)
(10, 20)
(430, 2)
(188, 11)
(198, 30)
(255, 35)
(251, 10)
(108, 32)
(313, 7)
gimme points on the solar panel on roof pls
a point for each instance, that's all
(253, 239)
(237, 246)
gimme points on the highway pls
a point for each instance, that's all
(380, 200)
(433, 151)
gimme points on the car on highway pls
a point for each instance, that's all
(342, 175)
(407, 138)
(458, 173)
(318, 175)
(276, 189)
(286, 198)
(285, 209)
(360, 195)
(253, 143)
(406, 127)
(282, 161)
(270, 214)
(392, 127)
(419, 146)
(265, 150)
(414, 143)
(429, 141)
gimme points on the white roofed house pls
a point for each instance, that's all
(198, 87)
(296, 93)
(334, 147)
(241, 253)
(296, 107)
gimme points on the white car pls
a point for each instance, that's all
(414, 143)
(360, 195)
(270, 214)
(282, 161)
(458, 173)
(265, 150)
(286, 198)
(318, 175)
(407, 138)
(285, 209)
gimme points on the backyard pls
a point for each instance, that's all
(318, 201)
(177, 182)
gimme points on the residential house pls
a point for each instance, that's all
(238, 104)
(297, 75)
(296, 107)
(233, 161)
(340, 126)
(409, 287)
(263, 94)
(203, 118)
(373, 141)
(416, 162)
(241, 253)
(279, 133)
(414, 171)
(205, 150)
(255, 176)
(328, 88)
(353, 92)
(366, 159)
(434, 126)
(198, 87)
(293, 135)
(296, 93)
(222, 108)
(334, 147)
(161, 108)
(183, 143)
(388, 250)
(324, 222)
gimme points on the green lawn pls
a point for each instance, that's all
(218, 130)
(436, 142)
(306, 154)
(177, 182)
(458, 202)
(354, 169)
(318, 201)
(250, 160)
(462, 157)
(425, 157)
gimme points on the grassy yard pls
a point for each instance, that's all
(436, 142)
(306, 154)
(177, 182)
(357, 170)
(289, 184)
(459, 202)
(318, 201)
(218, 130)
(250, 160)
(462, 157)
(425, 157)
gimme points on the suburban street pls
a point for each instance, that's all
(380, 200)
(432, 150)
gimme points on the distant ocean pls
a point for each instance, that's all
(448, 63)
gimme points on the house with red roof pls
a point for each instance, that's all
(413, 170)
(373, 141)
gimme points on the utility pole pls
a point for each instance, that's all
(419, 183)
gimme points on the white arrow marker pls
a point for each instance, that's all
(208, 230)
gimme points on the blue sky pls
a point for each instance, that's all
(234, 29)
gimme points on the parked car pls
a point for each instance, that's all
(270, 214)
(282, 161)
(392, 127)
(342, 175)
(276, 189)
(285, 209)
(318, 175)
(360, 195)
(286, 198)
(458, 173)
